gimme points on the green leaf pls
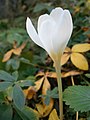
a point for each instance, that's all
(16, 117)
(24, 60)
(22, 116)
(25, 83)
(6, 76)
(18, 97)
(11, 37)
(27, 113)
(5, 85)
(5, 112)
(15, 63)
(87, 75)
(78, 97)
(43, 6)
(15, 75)
(50, 94)
(2, 98)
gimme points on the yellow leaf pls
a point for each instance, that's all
(65, 57)
(79, 61)
(38, 83)
(51, 74)
(48, 108)
(81, 47)
(40, 74)
(71, 73)
(40, 109)
(46, 86)
(17, 51)
(30, 92)
(23, 45)
(67, 49)
(7, 55)
(43, 109)
(53, 115)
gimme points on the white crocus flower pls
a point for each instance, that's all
(53, 31)
(53, 34)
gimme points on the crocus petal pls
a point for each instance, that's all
(41, 19)
(32, 33)
(56, 14)
(46, 33)
(63, 32)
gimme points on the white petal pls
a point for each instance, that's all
(46, 34)
(32, 33)
(41, 19)
(63, 32)
(56, 14)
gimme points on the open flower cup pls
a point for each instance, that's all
(53, 33)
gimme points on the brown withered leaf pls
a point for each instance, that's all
(7, 56)
(30, 92)
(38, 83)
(17, 51)
(51, 74)
(15, 44)
(46, 86)
(71, 73)
(43, 109)
(40, 74)
(23, 45)
(53, 115)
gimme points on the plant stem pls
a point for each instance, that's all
(58, 72)
(76, 115)
(73, 85)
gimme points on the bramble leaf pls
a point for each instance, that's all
(78, 97)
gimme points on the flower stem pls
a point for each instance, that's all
(58, 72)
(72, 80)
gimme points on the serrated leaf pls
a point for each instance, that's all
(79, 61)
(18, 97)
(78, 97)
(5, 85)
(6, 76)
(53, 115)
(81, 47)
